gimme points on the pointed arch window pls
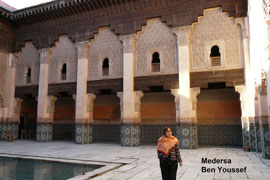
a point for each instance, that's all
(105, 67)
(155, 63)
(28, 75)
(64, 72)
(215, 56)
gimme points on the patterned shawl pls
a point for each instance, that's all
(166, 144)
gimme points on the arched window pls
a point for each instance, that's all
(64, 72)
(28, 75)
(215, 56)
(155, 62)
(105, 67)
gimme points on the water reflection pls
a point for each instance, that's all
(22, 169)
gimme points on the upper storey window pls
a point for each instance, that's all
(64, 72)
(155, 62)
(28, 75)
(105, 67)
(215, 56)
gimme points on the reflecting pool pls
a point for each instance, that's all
(28, 169)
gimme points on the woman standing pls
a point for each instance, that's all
(168, 154)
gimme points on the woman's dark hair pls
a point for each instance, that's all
(165, 129)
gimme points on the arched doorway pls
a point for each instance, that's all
(219, 117)
(106, 118)
(64, 118)
(157, 111)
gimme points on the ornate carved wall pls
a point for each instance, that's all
(216, 28)
(64, 52)
(155, 37)
(3, 71)
(28, 58)
(105, 45)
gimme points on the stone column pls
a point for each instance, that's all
(263, 119)
(241, 89)
(257, 122)
(16, 117)
(130, 128)
(194, 94)
(8, 112)
(84, 127)
(186, 124)
(84, 101)
(45, 103)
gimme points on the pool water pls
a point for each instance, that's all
(26, 169)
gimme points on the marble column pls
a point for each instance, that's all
(241, 89)
(45, 111)
(84, 101)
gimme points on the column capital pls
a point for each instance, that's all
(74, 96)
(194, 92)
(175, 93)
(17, 105)
(120, 95)
(128, 41)
(50, 104)
(182, 34)
(82, 49)
(262, 87)
(138, 96)
(241, 89)
(90, 102)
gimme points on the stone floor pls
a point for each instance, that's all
(138, 163)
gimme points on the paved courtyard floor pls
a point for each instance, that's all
(138, 163)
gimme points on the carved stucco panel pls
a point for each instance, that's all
(64, 52)
(216, 26)
(28, 58)
(105, 45)
(155, 37)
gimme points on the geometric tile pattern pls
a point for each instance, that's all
(252, 137)
(11, 126)
(246, 137)
(3, 127)
(184, 131)
(83, 133)
(151, 133)
(130, 135)
(258, 138)
(64, 131)
(265, 137)
(228, 135)
(194, 137)
(44, 132)
(106, 132)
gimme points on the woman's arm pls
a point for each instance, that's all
(178, 155)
